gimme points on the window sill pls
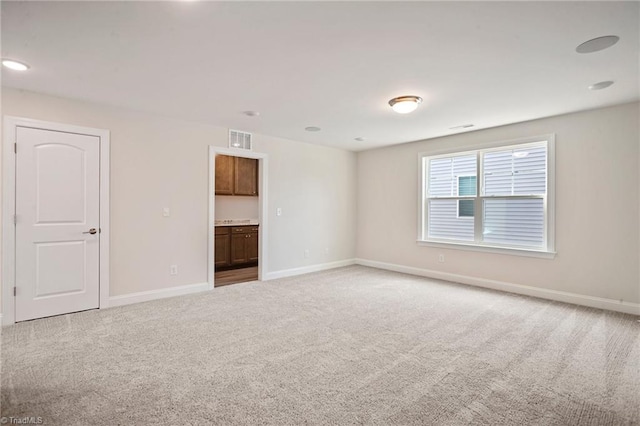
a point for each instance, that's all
(543, 254)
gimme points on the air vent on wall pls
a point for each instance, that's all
(238, 139)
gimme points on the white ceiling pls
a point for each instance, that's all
(333, 65)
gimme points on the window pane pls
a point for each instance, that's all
(520, 171)
(445, 223)
(440, 177)
(498, 173)
(465, 208)
(466, 185)
(530, 171)
(444, 172)
(514, 222)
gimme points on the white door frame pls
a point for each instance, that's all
(9, 207)
(262, 208)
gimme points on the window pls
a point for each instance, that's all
(498, 197)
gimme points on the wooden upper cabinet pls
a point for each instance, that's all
(236, 176)
(246, 176)
(225, 167)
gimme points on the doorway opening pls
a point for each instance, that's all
(237, 230)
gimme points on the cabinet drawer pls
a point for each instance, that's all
(221, 230)
(243, 229)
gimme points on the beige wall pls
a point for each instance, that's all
(158, 162)
(597, 207)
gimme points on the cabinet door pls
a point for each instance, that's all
(252, 246)
(238, 248)
(223, 249)
(246, 176)
(224, 174)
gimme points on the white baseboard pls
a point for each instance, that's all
(560, 296)
(145, 296)
(307, 269)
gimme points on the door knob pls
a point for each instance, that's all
(91, 231)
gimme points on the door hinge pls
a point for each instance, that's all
(15, 219)
(15, 291)
(15, 148)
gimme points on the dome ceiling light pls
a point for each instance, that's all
(405, 104)
(15, 65)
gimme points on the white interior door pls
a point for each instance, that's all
(57, 222)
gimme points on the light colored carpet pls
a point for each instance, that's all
(347, 346)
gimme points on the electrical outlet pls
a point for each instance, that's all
(279, 211)
(173, 269)
(166, 212)
(306, 253)
(441, 258)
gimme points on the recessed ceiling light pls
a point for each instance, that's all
(359, 139)
(463, 126)
(15, 65)
(405, 104)
(601, 85)
(312, 129)
(251, 113)
(596, 44)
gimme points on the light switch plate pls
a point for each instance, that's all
(166, 212)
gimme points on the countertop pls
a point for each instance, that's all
(237, 222)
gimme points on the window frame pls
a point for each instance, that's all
(548, 248)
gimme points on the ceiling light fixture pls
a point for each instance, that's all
(359, 139)
(597, 44)
(251, 113)
(312, 129)
(405, 104)
(15, 65)
(601, 85)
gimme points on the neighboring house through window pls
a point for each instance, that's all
(497, 197)
(466, 187)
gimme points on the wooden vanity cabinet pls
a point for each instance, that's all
(252, 246)
(236, 246)
(222, 246)
(244, 244)
(236, 176)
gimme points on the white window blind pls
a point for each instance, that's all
(495, 197)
